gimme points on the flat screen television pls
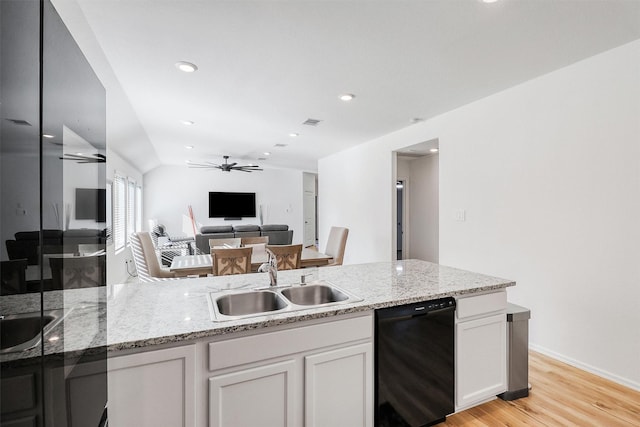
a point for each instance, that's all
(232, 205)
(91, 203)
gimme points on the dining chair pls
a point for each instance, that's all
(288, 256)
(254, 240)
(336, 244)
(12, 274)
(228, 261)
(146, 260)
(233, 242)
(78, 272)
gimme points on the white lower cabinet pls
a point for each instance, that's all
(154, 388)
(338, 387)
(316, 373)
(481, 349)
(261, 396)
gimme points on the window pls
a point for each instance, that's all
(119, 211)
(127, 209)
(131, 207)
(138, 208)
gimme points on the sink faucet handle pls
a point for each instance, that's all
(303, 278)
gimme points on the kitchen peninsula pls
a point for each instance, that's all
(171, 364)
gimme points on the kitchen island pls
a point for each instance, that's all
(171, 364)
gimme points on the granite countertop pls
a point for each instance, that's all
(144, 314)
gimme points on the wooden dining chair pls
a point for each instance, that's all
(254, 240)
(231, 261)
(233, 242)
(288, 256)
(12, 275)
(336, 244)
(78, 272)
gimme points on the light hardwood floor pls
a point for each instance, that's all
(561, 396)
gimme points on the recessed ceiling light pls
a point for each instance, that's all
(187, 161)
(293, 134)
(46, 135)
(187, 67)
(187, 122)
(433, 150)
(266, 153)
(489, 1)
(189, 147)
(347, 97)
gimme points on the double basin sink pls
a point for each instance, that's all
(241, 304)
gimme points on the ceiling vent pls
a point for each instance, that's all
(311, 122)
(19, 122)
(280, 145)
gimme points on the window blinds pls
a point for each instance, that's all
(119, 210)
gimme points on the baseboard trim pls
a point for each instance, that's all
(586, 367)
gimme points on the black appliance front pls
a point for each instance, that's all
(414, 363)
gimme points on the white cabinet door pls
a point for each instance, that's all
(156, 388)
(339, 387)
(481, 367)
(262, 396)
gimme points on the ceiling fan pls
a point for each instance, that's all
(85, 158)
(225, 167)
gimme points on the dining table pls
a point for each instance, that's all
(201, 265)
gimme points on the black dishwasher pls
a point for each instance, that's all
(414, 363)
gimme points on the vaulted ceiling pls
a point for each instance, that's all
(264, 67)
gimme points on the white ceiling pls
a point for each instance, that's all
(267, 66)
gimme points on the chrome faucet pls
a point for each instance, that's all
(271, 267)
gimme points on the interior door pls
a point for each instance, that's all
(309, 208)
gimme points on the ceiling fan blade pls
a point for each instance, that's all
(231, 165)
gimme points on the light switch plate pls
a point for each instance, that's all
(460, 215)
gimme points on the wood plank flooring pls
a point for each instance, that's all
(561, 396)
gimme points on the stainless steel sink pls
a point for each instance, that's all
(314, 294)
(20, 332)
(235, 305)
(249, 303)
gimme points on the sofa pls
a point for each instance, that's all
(26, 244)
(278, 234)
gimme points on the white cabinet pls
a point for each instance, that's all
(261, 396)
(154, 388)
(338, 387)
(317, 375)
(481, 348)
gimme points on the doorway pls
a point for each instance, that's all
(416, 222)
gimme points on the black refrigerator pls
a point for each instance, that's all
(52, 106)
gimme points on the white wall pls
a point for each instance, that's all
(355, 190)
(423, 208)
(549, 175)
(169, 190)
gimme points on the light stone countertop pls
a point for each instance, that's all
(145, 314)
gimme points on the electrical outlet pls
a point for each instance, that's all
(460, 215)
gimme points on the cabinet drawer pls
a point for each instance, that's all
(481, 305)
(262, 346)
